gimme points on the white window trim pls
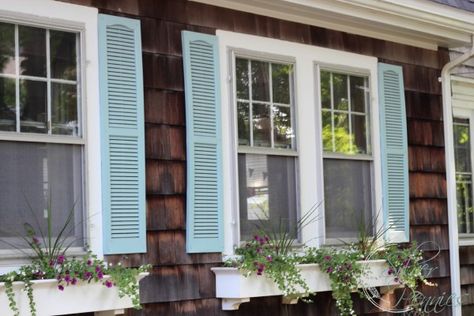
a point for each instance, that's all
(307, 60)
(70, 17)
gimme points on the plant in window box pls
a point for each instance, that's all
(51, 262)
(344, 269)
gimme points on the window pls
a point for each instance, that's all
(41, 143)
(462, 154)
(300, 139)
(347, 157)
(266, 153)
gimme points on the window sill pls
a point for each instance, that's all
(234, 288)
(81, 298)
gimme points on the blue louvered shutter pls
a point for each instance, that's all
(393, 131)
(204, 231)
(122, 135)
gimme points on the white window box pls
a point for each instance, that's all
(80, 298)
(235, 288)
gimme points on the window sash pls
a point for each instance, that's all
(17, 135)
(250, 101)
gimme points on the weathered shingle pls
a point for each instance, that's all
(467, 5)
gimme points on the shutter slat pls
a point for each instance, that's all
(123, 164)
(204, 189)
(394, 153)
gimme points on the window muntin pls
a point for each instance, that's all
(347, 154)
(39, 81)
(345, 113)
(264, 110)
(41, 140)
(267, 180)
(463, 166)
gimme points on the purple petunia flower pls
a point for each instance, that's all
(60, 259)
(60, 287)
(97, 269)
(100, 275)
(73, 281)
(67, 278)
(108, 284)
(89, 262)
(327, 258)
(329, 270)
(36, 241)
(269, 258)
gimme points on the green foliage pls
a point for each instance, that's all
(344, 266)
(50, 261)
(265, 255)
(344, 270)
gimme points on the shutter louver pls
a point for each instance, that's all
(394, 153)
(123, 165)
(204, 184)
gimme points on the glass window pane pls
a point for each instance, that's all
(464, 204)
(32, 51)
(347, 197)
(359, 90)
(359, 134)
(325, 90)
(267, 194)
(462, 147)
(242, 74)
(282, 127)
(281, 83)
(260, 81)
(64, 109)
(261, 125)
(327, 131)
(7, 105)
(33, 106)
(342, 137)
(243, 123)
(340, 92)
(7, 48)
(36, 174)
(63, 55)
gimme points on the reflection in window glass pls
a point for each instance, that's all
(267, 194)
(345, 113)
(7, 48)
(7, 105)
(261, 125)
(32, 51)
(33, 106)
(63, 55)
(46, 81)
(462, 155)
(264, 109)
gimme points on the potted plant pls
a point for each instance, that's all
(77, 284)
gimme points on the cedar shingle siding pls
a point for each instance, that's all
(183, 284)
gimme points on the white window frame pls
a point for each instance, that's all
(464, 108)
(308, 126)
(83, 20)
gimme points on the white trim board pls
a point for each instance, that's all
(417, 23)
